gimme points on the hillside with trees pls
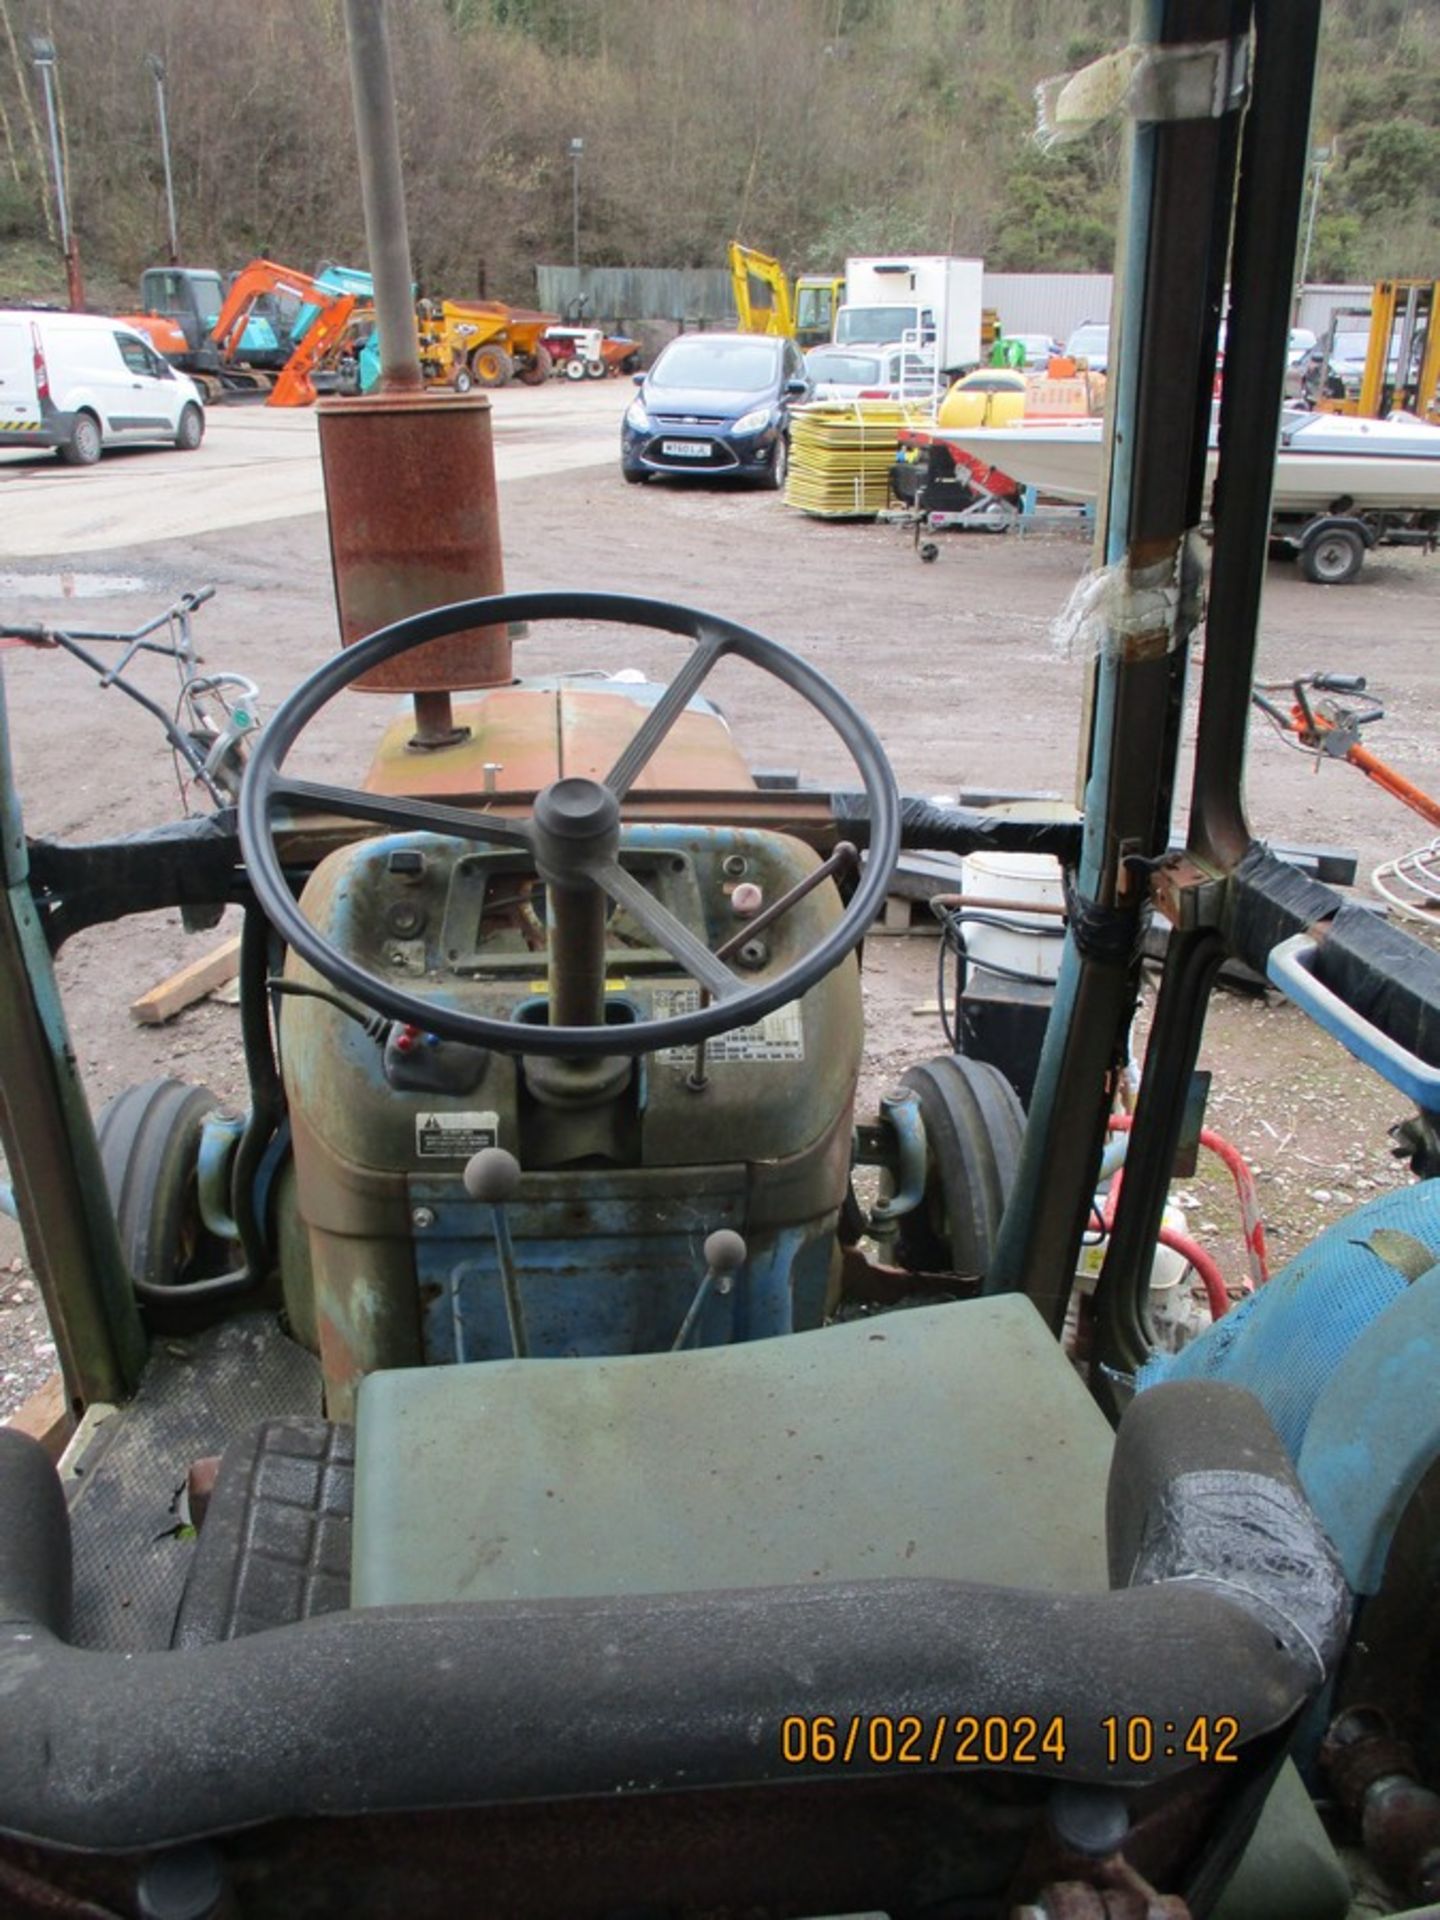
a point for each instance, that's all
(811, 128)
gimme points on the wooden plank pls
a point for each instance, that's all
(45, 1416)
(190, 984)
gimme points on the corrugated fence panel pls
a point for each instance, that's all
(1318, 300)
(1053, 303)
(685, 295)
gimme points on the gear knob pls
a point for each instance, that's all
(725, 1251)
(494, 1175)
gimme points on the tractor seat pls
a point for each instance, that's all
(611, 1579)
(950, 1443)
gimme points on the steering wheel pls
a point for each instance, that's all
(573, 833)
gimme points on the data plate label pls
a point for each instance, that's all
(779, 1036)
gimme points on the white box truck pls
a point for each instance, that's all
(931, 299)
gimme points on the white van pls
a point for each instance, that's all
(80, 382)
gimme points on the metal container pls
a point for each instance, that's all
(414, 523)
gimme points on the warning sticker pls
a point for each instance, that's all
(454, 1136)
(779, 1036)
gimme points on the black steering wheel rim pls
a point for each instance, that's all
(715, 638)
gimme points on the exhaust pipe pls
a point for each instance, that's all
(410, 491)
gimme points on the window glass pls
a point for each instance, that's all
(208, 297)
(134, 353)
(737, 366)
(855, 369)
(813, 308)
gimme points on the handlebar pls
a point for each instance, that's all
(46, 636)
(1337, 682)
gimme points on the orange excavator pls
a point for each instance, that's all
(217, 348)
(293, 386)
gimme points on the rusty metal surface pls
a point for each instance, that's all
(534, 735)
(414, 523)
(25, 1894)
(1374, 1775)
(802, 1849)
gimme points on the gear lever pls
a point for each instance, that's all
(493, 1175)
(725, 1254)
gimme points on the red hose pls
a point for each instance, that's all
(1256, 1253)
(1211, 1278)
(1210, 1274)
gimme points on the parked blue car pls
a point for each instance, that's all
(715, 403)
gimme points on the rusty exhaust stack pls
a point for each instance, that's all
(409, 475)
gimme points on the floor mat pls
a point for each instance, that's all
(198, 1394)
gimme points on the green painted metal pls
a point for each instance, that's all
(903, 1446)
(49, 1142)
(1289, 1870)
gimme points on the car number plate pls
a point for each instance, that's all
(685, 449)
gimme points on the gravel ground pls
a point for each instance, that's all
(953, 662)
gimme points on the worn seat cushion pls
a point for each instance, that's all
(950, 1442)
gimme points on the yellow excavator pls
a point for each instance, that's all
(767, 302)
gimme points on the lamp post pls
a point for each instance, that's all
(157, 67)
(42, 52)
(577, 148)
(1319, 159)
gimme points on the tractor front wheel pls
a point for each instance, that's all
(149, 1139)
(974, 1124)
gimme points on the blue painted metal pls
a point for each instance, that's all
(623, 1286)
(7, 1200)
(902, 1111)
(1290, 1339)
(81, 1268)
(1291, 967)
(1376, 1431)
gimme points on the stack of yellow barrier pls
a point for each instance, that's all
(841, 453)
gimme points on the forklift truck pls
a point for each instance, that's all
(572, 1548)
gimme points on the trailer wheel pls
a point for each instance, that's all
(539, 369)
(974, 1124)
(149, 1150)
(82, 449)
(491, 366)
(1333, 557)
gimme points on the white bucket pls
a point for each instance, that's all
(1029, 943)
